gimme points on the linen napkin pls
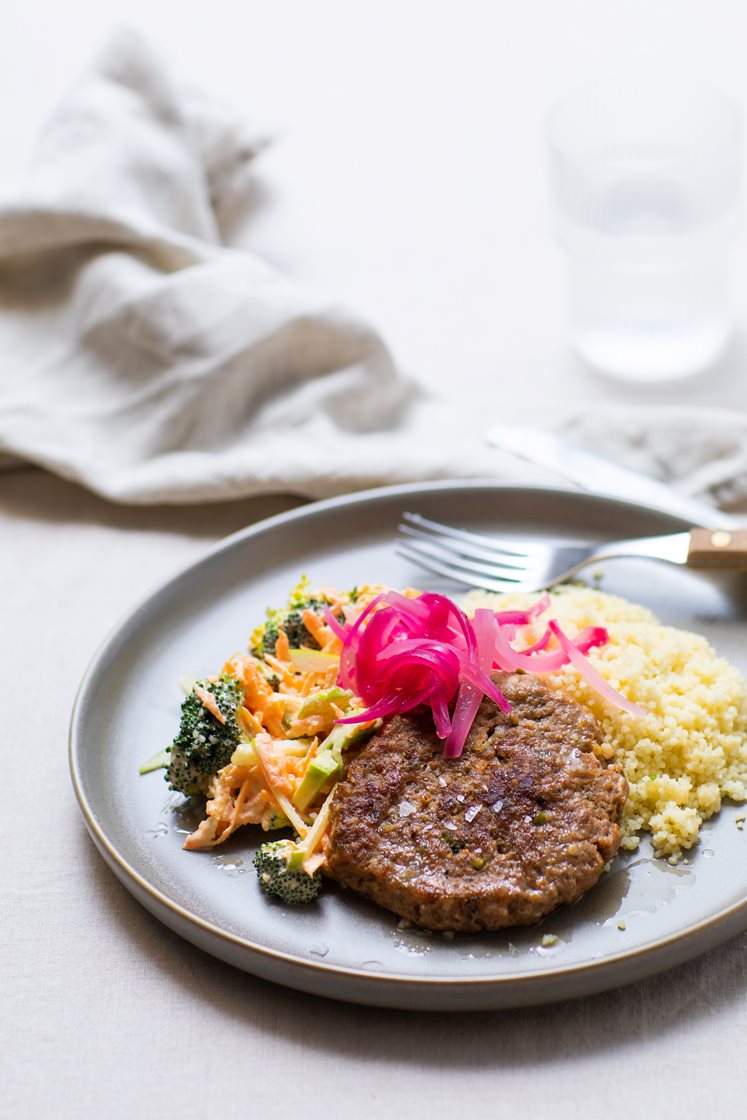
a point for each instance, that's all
(699, 451)
(142, 357)
(146, 360)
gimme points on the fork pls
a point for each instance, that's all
(507, 564)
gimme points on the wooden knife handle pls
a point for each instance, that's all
(718, 548)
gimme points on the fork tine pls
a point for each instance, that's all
(457, 574)
(453, 547)
(493, 544)
(496, 569)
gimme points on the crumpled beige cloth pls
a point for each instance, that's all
(140, 356)
(144, 359)
(699, 451)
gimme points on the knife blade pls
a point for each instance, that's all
(590, 471)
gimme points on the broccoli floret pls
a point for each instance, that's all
(289, 618)
(291, 621)
(281, 875)
(204, 745)
(275, 820)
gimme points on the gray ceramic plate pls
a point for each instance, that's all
(343, 946)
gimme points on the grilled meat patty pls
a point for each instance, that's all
(523, 821)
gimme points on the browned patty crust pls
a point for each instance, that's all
(405, 830)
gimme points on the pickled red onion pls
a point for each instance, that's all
(469, 698)
(592, 677)
(401, 652)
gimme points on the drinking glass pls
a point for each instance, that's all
(646, 183)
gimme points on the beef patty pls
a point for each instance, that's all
(525, 820)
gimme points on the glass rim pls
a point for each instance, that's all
(724, 107)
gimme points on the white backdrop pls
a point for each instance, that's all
(408, 170)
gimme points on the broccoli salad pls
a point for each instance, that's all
(262, 743)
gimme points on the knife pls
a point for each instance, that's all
(593, 472)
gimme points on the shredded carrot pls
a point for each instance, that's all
(282, 646)
(246, 669)
(248, 722)
(273, 764)
(318, 629)
(258, 696)
(306, 760)
(239, 797)
(316, 680)
(273, 719)
(208, 701)
(305, 684)
(283, 669)
(316, 833)
(245, 812)
(312, 863)
(239, 802)
(312, 725)
(277, 788)
(203, 836)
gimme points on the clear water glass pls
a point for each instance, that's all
(646, 181)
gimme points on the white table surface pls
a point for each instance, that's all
(407, 177)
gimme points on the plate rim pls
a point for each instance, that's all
(134, 880)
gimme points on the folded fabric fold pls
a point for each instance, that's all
(143, 358)
(700, 451)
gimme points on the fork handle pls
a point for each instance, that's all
(718, 548)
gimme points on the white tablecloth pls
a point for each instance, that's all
(408, 178)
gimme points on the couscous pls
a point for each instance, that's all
(691, 750)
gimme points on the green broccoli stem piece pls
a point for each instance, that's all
(159, 761)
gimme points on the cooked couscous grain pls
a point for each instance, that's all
(691, 750)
